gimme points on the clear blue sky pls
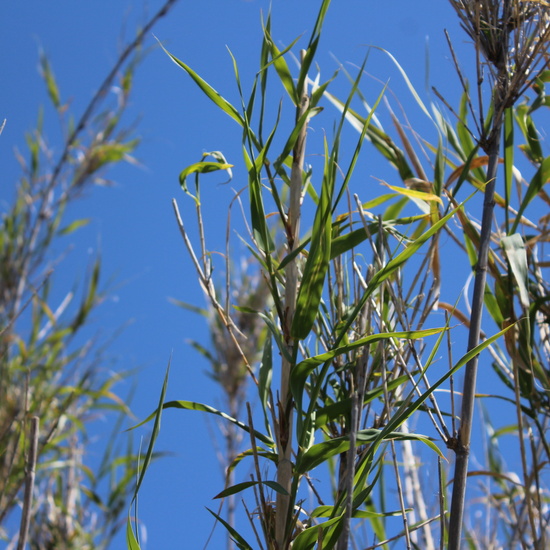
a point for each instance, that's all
(133, 224)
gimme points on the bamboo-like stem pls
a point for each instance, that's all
(284, 439)
(343, 540)
(465, 430)
(262, 499)
(29, 485)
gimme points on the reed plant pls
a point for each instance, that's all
(361, 325)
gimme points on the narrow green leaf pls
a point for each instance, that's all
(238, 487)
(49, 79)
(313, 279)
(282, 69)
(347, 241)
(237, 538)
(532, 148)
(291, 141)
(190, 307)
(74, 226)
(194, 406)
(156, 429)
(131, 541)
(515, 251)
(326, 512)
(413, 193)
(257, 211)
(407, 82)
(362, 136)
(541, 177)
(264, 380)
(464, 136)
(376, 136)
(212, 94)
(318, 92)
(203, 167)
(312, 46)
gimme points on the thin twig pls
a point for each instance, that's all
(209, 290)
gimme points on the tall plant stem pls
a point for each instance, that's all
(284, 466)
(29, 485)
(462, 449)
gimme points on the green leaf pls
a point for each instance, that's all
(515, 251)
(109, 152)
(74, 226)
(362, 136)
(212, 94)
(237, 538)
(541, 177)
(281, 67)
(377, 137)
(327, 511)
(412, 193)
(156, 429)
(313, 278)
(237, 488)
(264, 380)
(257, 210)
(203, 167)
(393, 265)
(131, 541)
(274, 457)
(317, 93)
(347, 241)
(49, 79)
(291, 141)
(194, 406)
(532, 148)
(312, 46)
(130, 537)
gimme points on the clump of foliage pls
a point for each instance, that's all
(54, 379)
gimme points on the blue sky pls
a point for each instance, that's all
(133, 225)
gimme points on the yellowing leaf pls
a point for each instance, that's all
(413, 194)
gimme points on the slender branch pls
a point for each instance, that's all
(208, 288)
